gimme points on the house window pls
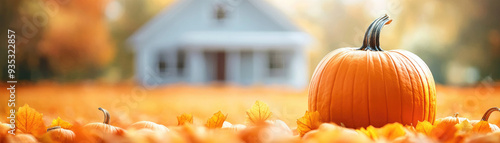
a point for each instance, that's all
(162, 64)
(220, 12)
(181, 62)
(224, 9)
(276, 63)
(172, 65)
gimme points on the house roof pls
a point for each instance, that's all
(238, 40)
(168, 14)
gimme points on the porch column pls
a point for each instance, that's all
(298, 68)
(233, 68)
(195, 65)
(260, 66)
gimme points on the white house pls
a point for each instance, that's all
(233, 41)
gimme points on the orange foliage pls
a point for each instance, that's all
(216, 120)
(61, 123)
(184, 118)
(259, 113)
(310, 121)
(29, 121)
(77, 38)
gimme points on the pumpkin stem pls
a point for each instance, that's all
(372, 35)
(53, 128)
(106, 115)
(488, 113)
(455, 115)
(367, 34)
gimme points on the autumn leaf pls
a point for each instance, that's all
(310, 121)
(258, 113)
(392, 131)
(444, 133)
(424, 127)
(28, 120)
(464, 127)
(389, 131)
(410, 128)
(185, 118)
(59, 122)
(370, 132)
(216, 120)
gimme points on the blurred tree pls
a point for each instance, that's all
(58, 39)
(18, 16)
(440, 32)
(480, 37)
(76, 42)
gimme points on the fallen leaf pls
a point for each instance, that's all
(310, 121)
(410, 128)
(258, 113)
(370, 132)
(464, 127)
(391, 131)
(424, 127)
(216, 120)
(185, 118)
(444, 133)
(59, 122)
(29, 121)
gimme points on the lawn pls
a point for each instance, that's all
(129, 103)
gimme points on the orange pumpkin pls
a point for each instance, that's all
(59, 134)
(482, 126)
(4, 131)
(369, 86)
(333, 133)
(21, 138)
(148, 125)
(148, 135)
(105, 127)
(450, 120)
(235, 127)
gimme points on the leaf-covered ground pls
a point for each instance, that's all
(169, 105)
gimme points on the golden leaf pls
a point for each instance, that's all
(29, 121)
(464, 127)
(370, 132)
(216, 120)
(444, 133)
(424, 127)
(59, 122)
(310, 121)
(185, 118)
(258, 113)
(392, 131)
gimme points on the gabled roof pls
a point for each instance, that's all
(169, 13)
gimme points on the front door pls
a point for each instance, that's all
(220, 66)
